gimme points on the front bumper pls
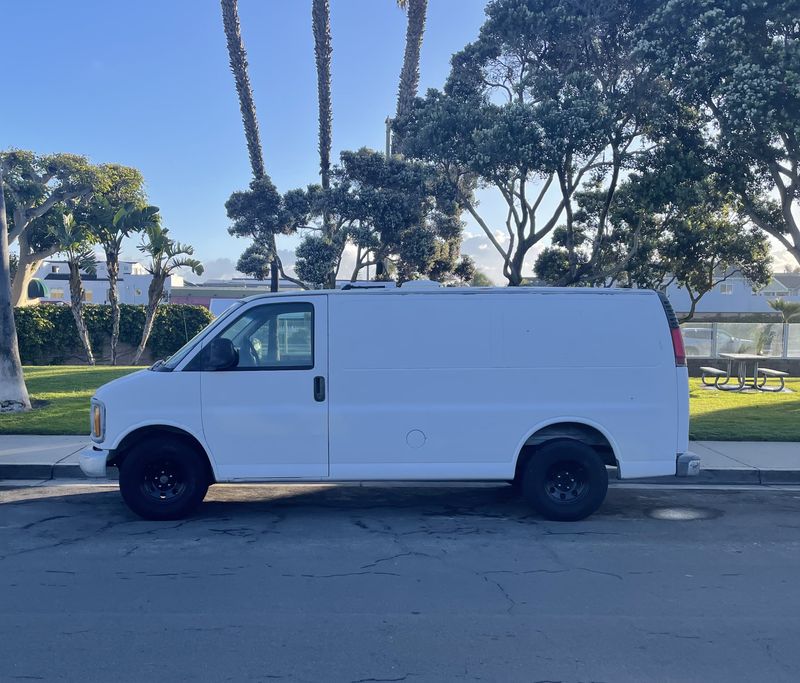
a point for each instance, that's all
(687, 465)
(93, 461)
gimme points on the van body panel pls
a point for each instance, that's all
(452, 386)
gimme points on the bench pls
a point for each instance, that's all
(765, 374)
(716, 373)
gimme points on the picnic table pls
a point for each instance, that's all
(743, 380)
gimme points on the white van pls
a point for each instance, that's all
(542, 387)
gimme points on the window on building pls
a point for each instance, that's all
(88, 295)
(54, 269)
(56, 293)
(726, 288)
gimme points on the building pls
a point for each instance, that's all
(737, 296)
(132, 283)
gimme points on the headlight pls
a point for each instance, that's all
(98, 420)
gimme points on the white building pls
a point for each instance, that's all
(132, 283)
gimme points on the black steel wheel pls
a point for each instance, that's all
(565, 480)
(163, 478)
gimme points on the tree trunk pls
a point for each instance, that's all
(321, 28)
(154, 294)
(76, 304)
(514, 268)
(26, 268)
(409, 75)
(13, 392)
(238, 59)
(112, 264)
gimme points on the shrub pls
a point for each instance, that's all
(47, 332)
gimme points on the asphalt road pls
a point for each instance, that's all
(400, 584)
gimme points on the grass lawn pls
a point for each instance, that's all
(716, 415)
(732, 416)
(67, 390)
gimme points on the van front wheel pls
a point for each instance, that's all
(162, 479)
(565, 480)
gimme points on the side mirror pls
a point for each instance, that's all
(222, 355)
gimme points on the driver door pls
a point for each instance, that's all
(266, 417)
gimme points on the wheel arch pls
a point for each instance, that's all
(580, 429)
(140, 432)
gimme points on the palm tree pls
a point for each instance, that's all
(238, 60)
(409, 74)
(117, 226)
(321, 28)
(76, 247)
(789, 310)
(166, 256)
(13, 392)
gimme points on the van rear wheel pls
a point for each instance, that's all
(565, 480)
(163, 479)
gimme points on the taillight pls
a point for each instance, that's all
(677, 346)
(675, 331)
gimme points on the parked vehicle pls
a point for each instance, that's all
(698, 342)
(524, 385)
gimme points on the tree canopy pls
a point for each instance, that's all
(548, 99)
(736, 67)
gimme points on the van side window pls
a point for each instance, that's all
(273, 337)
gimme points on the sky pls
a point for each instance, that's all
(146, 83)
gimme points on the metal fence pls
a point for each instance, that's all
(774, 340)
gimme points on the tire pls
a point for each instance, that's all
(565, 480)
(163, 478)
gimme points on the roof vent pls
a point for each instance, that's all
(421, 284)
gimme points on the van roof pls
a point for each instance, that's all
(456, 291)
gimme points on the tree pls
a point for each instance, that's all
(736, 66)
(480, 279)
(546, 100)
(166, 256)
(37, 185)
(409, 74)
(110, 215)
(394, 211)
(128, 219)
(254, 261)
(789, 310)
(321, 27)
(76, 246)
(238, 62)
(669, 223)
(13, 392)
(260, 213)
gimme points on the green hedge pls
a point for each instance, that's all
(47, 333)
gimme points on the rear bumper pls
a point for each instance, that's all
(93, 461)
(687, 464)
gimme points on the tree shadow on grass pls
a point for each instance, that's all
(770, 421)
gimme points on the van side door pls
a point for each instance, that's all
(266, 416)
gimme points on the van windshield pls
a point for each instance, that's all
(173, 361)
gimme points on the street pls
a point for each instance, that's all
(400, 583)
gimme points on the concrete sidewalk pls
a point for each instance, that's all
(721, 462)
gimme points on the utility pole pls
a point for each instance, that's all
(388, 137)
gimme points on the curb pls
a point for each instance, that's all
(751, 477)
(47, 472)
(744, 477)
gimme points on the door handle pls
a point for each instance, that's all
(319, 388)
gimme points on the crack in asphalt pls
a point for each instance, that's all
(410, 553)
